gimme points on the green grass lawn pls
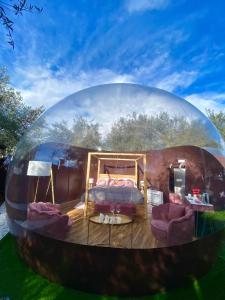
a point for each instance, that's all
(19, 282)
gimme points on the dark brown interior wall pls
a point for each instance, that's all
(202, 169)
(69, 182)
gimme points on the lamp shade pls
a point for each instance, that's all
(91, 180)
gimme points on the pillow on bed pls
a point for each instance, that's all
(127, 182)
(102, 182)
(130, 183)
(116, 182)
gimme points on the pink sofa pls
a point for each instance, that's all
(46, 218)
(172, 224)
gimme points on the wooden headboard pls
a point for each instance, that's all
(117, 176)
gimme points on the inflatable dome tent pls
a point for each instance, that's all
(119, 189)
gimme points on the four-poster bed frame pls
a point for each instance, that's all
(117, 156)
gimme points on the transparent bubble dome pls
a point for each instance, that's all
(121, 166)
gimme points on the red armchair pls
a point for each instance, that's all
(172, 224)
(46, 218)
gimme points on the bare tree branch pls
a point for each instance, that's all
(16, 8)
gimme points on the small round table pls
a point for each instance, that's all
(124, 219)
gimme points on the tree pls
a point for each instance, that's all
(81, 133)
(86, 133)
(181, 131)
(18, 7)
(138, 132)
(218, 119)
(15, 116)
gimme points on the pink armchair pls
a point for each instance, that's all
(172, 224)
(46, 218)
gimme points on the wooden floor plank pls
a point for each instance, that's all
(134, 235)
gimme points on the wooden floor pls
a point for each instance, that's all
(134, 235)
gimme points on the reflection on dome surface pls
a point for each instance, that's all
(119, 165)
(123, 117)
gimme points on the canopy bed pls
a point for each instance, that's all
(123, 190)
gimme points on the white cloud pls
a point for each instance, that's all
(151, 68)
(141, 5)
(211, 100)
(40, 86)
(177, 80)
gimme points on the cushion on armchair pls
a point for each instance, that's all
(44, 206)
(42, 210)
(175, 198)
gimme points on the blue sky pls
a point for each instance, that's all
(178, 46)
